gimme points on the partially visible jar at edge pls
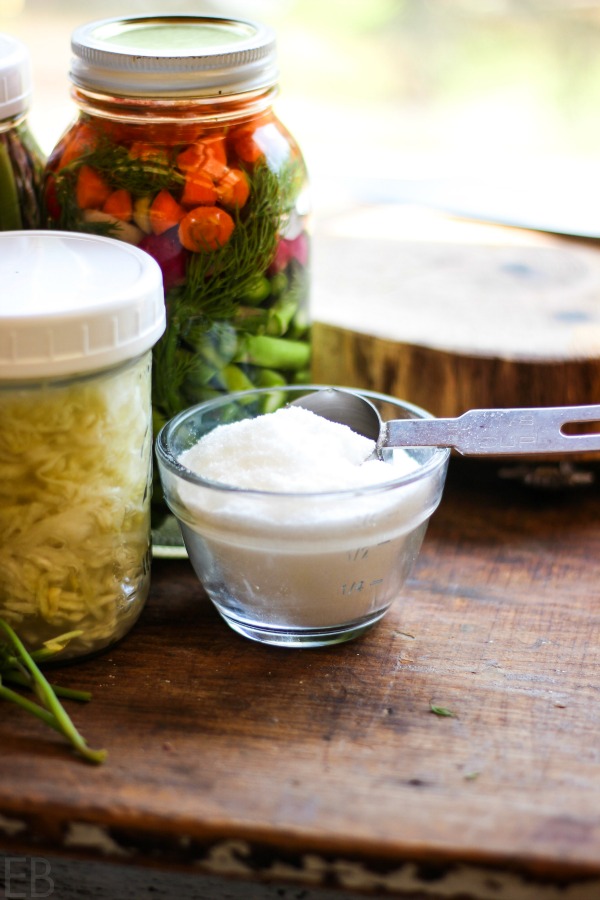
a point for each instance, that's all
(184, 157)
(21, 160)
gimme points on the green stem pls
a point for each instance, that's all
(66, 693)
(49, 700)
(34, 708)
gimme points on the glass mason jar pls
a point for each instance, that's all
(79, 315)
(176, 149)
(21, 161)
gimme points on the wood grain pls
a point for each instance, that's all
(453, 315)
(229, 757)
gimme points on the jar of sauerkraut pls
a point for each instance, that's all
(79, 315)
(21, 160)
(176, 148)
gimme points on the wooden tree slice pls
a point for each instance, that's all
(455, 316)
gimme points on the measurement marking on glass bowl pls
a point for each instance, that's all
(353, 588)
(362, 552)
(360, 585)
(359, 553)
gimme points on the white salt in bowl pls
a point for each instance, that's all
(285, 563)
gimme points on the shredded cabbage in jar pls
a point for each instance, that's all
(75, 464)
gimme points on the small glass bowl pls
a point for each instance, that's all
(292, 569)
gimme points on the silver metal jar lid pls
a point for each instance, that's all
(173, 56)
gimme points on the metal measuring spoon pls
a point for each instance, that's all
(478, 432)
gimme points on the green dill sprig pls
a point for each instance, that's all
(216, 280)
(20, 667)
(137, 175)
(122, 170)
(192, 347)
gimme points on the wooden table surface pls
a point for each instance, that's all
(328, 767)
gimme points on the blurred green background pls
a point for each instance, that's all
(385, 93)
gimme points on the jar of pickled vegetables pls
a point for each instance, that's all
(79, 315)
(176, 148)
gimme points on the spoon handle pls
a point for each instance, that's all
(500, 432)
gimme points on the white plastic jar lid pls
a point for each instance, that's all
(74, 303)
(173, 56)
(15, 77)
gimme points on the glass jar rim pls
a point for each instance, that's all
(174, 56)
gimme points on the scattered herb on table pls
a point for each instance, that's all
(19, 667)
(441, 711)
